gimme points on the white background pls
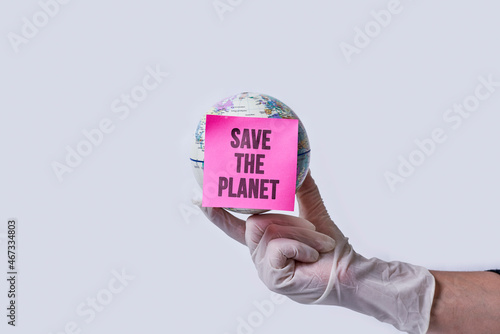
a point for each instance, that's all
(128, 205)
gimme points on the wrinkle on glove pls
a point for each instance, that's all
(397, 293)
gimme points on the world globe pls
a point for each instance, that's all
(250, 105)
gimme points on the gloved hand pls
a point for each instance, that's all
(308, 259)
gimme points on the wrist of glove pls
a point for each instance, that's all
(397, 293)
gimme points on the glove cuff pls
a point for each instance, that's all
(397, 293)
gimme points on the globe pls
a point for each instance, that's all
(250, 105)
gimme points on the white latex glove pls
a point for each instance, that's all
(294, 257)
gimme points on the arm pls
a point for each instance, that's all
(465, 302)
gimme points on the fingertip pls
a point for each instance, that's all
(315, 256)
(330, 245)
(325, 244)
(308, 255)
(307, 225)
(311, 225)
(196, 201)
(207, 211)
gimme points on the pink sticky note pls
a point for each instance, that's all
(250, 163)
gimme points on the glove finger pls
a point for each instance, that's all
(231, 225)
(256, 225)
(319, 241)
(310, 201)
(280, 251)
(312, 208)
